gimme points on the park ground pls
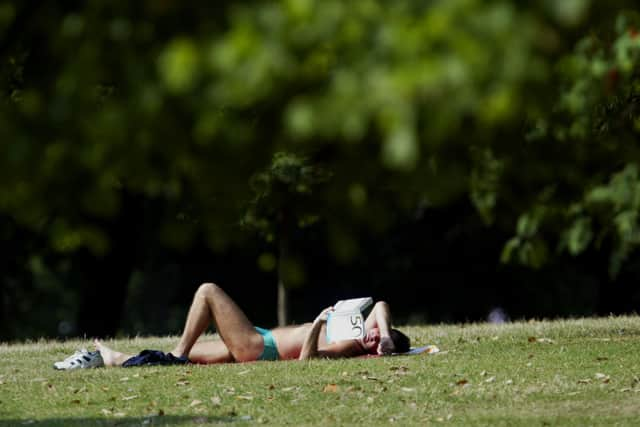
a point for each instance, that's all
(577, 372)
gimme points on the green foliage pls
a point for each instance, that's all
(286, 191)
(594, 125)
(527, 245)
(406, 103)
(617, 205)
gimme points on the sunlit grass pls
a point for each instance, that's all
(575, 372)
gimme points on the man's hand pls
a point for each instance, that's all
(386, 346)
(322, 317)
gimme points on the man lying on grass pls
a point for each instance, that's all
(240, 341)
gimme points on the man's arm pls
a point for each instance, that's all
(380, 317)
(310, 348)
(310, 345)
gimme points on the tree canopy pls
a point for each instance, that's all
(187, 113)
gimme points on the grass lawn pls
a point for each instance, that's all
(575, 373)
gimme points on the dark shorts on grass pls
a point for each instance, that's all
(153, 358)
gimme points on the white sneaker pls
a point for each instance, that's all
(81, 359)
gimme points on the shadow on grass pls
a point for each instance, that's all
(165, 420)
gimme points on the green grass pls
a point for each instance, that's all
(570, 373)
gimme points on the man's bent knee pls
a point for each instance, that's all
(208, 289)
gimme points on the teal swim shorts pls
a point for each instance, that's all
(270, 351)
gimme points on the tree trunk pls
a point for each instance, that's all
(283, 292)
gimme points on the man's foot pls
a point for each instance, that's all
(177, 352)
(110, 356)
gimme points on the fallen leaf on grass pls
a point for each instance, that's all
(182, 383)
(490, 380)
(108, 412)
(289, 388)
(195, 402)
(541, 340)
(135, 396)
(330, 388)
(399, 370)
(602, 377)
(408, 389)
(462, 382)
(244, 397)
(216, 401)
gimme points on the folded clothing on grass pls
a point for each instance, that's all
(154, 357)
(427, 349)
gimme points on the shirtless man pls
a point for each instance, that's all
(240, 341)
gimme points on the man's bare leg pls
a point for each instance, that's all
(212, 304)
(206, 352)
(109, 356)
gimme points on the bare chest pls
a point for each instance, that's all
(291, 338)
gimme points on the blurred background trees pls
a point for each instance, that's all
(448, 156)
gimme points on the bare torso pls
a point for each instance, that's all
(289, 339)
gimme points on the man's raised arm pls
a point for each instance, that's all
(380, 317)
(310, 346)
